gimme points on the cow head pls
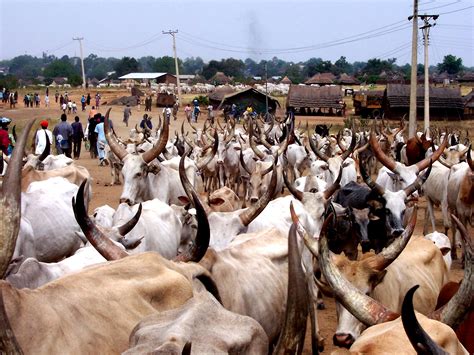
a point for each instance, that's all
(136, 168)
(394, 202)
(259, 181)
(360, 219)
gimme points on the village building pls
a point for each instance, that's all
(313, 100)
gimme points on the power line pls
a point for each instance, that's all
(154, 38)
(458, 10)
(440, 6)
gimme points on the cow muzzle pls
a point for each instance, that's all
(396, 232)
(253, 199)
(343, 340)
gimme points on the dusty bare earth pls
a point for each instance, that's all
(105, 194)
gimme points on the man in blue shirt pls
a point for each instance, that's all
(63, 134)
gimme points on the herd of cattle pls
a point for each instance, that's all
(206, 253)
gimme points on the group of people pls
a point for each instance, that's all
(10, 97)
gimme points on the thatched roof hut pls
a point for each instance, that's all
(250, 97)
(219, 93)
(345, 79)
(321, 79)
(469, 105)
(286, 80)
(445, 103)
(220, 78)
(467, 78)
(315, 100)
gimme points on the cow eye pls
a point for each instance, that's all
(138, 175)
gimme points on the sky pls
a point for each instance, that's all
(293, 30)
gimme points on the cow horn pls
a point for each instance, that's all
(349, 151)
(383, 259)
(445, 163)
(419, 339)
(251, 213)
(188, 142)
(127, 227)
(196, 252)
(47, 149)
(295, 192)
(339, 143)
(115, 147)
(421, 165)
(455, 311)
(291, 340)
(102, 243)
(138, 129)
(315, 149)
(364, 308)
(335, 186)
(416, 185)
(257, 151)
(158, 148)
(1, 162)
(10, 203)
(469, 159)
(213, 152)
(368, 180)
(379, 154)
(242, 162)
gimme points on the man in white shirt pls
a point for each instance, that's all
(40, 139)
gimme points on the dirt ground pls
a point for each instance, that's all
(103, 193)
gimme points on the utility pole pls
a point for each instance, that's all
(413, 77)
(80, 39)
(173, 34)
(426, 33)
(266, 92)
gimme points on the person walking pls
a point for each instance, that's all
(83, 103)
(4, 137)
(167, 114)
(77, 137)
(127, 112)
(88, 99)
(97, 100)
(101, 141)
(139, 101)
(46, 101)
(56, 96)
(146, 122)
(63, 133)
(40, 137)
(187, 112)
(92, 136)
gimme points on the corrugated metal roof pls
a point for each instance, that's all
(142, 76)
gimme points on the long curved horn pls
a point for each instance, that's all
(103, 245)
(339, 143)
(368, 180)
(115, 147)
(1, 162)
(420, 180)
(251, 213)
(364, 308)
(455, 311)
(199, 248)
(255, 149)
(469, 159)
(295, 192)
(127, 227)
(383, 259)
(351, 147)
(421, 165)
(419, 339)
(213, 152)
(10, 203)
(182, 176)
(291, 338)
(242, 162)
(315, 149)
(158, 148)
(335, 186)
(47, 149)
(379, 154)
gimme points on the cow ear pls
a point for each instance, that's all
(236, 148)
(217, 201)
(183, 199)
(377, 277)
(153, 168)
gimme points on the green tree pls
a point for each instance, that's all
(193, 65)
(450, 64)
(8, 81)
(341, 66)
(294, 73)
(60, 68)
(166, 65)
(126, 65)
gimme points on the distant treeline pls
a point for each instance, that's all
(42, 70)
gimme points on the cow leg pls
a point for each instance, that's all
(429, 213)
(454, 231)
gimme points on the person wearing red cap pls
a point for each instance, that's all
(40, 138)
